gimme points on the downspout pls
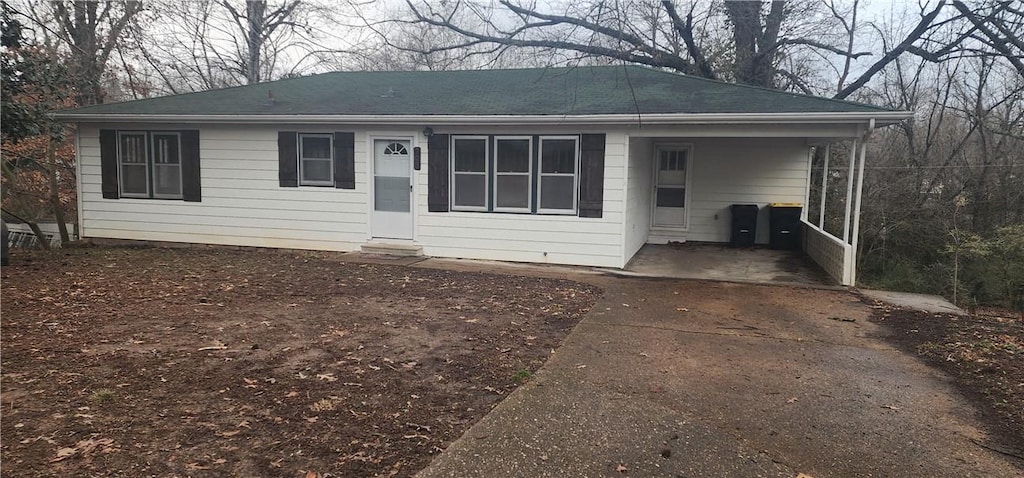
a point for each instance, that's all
(860, 191)
(80, 220)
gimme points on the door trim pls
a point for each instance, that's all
(371, 138)
(688, 201)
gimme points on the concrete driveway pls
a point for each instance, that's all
(687, 378)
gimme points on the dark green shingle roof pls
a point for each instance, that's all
(549, 91)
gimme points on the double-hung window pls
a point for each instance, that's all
(167, 165)
(513, 157)
(133, 162)
(559, 167)
(316, 160)
(469, 176)
(149, 164)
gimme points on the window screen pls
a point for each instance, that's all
(316, 161)
(469, 183)
(166, 165)
(134, 165)
(558, 164)
(512, 183)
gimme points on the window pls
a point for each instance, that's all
(396, 149)
(558, 172)
(316, 160)
(469, 176)
(133, 164)
(671, 187)
(166, 165)
(513, 166)
(671, 163)
(149, 164)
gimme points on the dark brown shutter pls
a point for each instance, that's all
(108, 163)
(591, 175)
(437, 173)
(191, 189)
(345, 160)
(288, 159)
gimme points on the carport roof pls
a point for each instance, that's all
(576, 91)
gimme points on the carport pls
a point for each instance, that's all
(682, 180)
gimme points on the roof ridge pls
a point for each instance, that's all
(753, 87)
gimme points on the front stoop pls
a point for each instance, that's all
(392, 249)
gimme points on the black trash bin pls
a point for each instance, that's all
(784, 225)
(744, 225)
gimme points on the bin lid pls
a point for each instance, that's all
(786, 204)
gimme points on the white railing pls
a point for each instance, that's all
(830, 252)
(22, 236)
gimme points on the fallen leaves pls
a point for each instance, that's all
(196, 396)
(85, 448)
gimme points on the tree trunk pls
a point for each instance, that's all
(255, 12)
(44, 243)
(58, 211)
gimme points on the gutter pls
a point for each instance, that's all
(882, 118)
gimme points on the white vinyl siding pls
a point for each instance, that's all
(732, 171)
(640, 175)
(242, 201)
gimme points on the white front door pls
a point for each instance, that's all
(670, 181)
(392, 189)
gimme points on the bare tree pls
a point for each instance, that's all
(763, 36)
(91, 31)
(257, 25)
(207, 44)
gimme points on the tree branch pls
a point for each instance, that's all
(685, 30)
(913, 36)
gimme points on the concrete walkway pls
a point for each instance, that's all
(928, 303)
(670, 378)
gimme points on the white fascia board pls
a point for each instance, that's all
(881, 118)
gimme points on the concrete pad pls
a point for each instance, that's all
(718, 262)
(928, 303)
(670, 378)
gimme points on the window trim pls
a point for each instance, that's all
(486, 173)
(330, 160)
(152, 161)
(145, 163)
(541, 174)
(529, 175)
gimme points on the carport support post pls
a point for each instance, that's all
(856, 207)
(807, 187)
(824, 186)
(849, 191)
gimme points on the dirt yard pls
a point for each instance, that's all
(984, 353)
(203, 362)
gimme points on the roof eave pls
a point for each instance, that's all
(881, 118)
